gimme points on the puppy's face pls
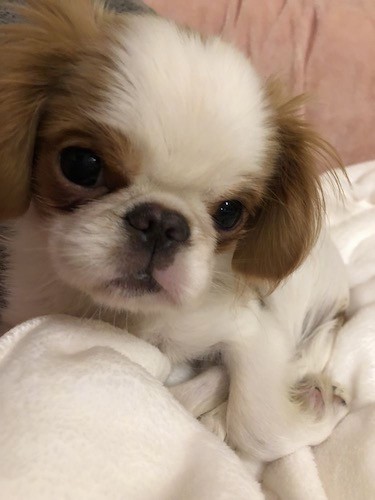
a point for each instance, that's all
(155, 159)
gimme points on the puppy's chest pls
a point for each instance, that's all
(196, 334)
(181, 342)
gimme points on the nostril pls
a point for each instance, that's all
(176, 228)
(156, 224)
(140, 223)
(142, 218)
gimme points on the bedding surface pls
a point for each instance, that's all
(84, 413)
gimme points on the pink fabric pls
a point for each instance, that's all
(324, 47)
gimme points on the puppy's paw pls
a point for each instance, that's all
(320, 397)
(216, 421)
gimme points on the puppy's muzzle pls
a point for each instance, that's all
(157, 230)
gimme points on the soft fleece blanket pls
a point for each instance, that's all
(84, 413)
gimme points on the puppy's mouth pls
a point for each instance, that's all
(168, 284)
(134, 285)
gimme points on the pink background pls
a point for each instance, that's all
(324, 47)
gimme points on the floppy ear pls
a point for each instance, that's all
(34, 54)
(20, 107)
(289, 217)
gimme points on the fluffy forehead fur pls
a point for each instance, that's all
(178, 119)
(192, 111)
(195, 107)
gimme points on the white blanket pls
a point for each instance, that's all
(84, 414)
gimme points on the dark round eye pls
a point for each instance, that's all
(80, 166)
(228, 214)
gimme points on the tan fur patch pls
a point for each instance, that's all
(341, 318)
(51, 190)
(43, 57)
(290, 213)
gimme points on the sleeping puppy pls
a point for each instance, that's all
(158, 184)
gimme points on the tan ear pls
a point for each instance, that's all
(20, 106)
(35, 53)
(290, 215)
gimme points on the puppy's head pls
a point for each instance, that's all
(148, 153)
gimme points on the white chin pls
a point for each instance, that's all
(121, 298)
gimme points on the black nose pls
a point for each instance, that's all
(158, 227)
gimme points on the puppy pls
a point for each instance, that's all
(156, 183)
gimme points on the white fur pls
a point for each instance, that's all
(196, 108)
(266, 350)
(198, 112)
